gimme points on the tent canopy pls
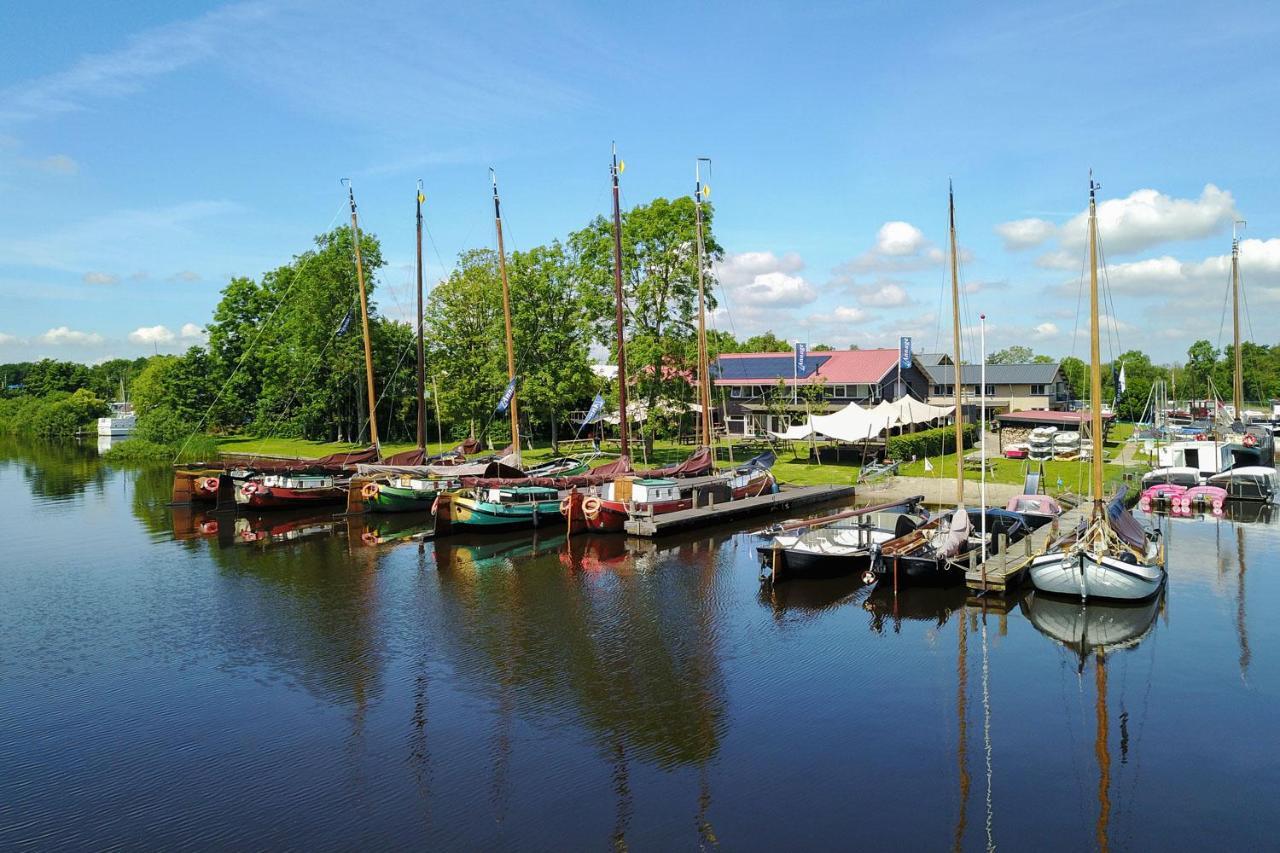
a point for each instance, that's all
(854, 423)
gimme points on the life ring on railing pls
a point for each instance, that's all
(591, 507)
(209, 484)
(564, 506)
(1250, 440)
(369, 491)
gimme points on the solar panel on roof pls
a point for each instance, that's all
(767, 367)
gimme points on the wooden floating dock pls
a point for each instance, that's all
(1003, 572)
(719, 513)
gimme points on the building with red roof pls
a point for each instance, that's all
(747, 385)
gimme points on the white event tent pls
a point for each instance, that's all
(854, 423)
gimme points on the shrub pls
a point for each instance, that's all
(162, 425)
(929, 442)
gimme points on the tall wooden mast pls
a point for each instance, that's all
(1237, 379)
(619, 325)
(422, 358)
(364, 323)
(704, 356)
(1095, 349)
(957, 371)
(506, 316)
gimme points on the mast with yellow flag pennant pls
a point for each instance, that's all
(615, 170)
(422, 358)
(704, 357)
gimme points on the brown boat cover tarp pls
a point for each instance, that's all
(334, 462)
(697, 465)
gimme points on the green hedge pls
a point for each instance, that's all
(929, 442)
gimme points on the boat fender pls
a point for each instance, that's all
(370, 491)
(591, 507)
(1250, 440)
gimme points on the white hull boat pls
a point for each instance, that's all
(1248, 483)
(1081, 573)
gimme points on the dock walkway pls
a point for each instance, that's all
(1003, 572)
(671, 522)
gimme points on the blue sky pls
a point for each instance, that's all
(151, 150)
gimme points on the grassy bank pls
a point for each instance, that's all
(789, 468)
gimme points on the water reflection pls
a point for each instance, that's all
(54, 470)
(327, 683)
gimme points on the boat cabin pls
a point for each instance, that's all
(1207, 457)
(522, 494)
(297, 481)
(642, 490)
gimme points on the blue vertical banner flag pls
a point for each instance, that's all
(904, 353)
(505, 402)
(593, 413)
(802, 359)
(345, 324)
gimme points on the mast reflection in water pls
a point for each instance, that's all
(173, 677)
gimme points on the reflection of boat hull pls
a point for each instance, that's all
(1085, 574)
(1086, 628)
(922, 570)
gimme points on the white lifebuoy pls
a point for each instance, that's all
(591, 507)
(565, 503)
(251, 488)
(209, 484)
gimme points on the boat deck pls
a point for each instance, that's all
(718, 513)
(1004, 572)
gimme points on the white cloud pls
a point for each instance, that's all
(151, 335)
(1147, 217)
(58, 164)
(765, 279)
(885, 296)
(185, 276)
(100, 278)
(1025, 233)
(845, 314)
(7, 339)
(898, 238)
(1166, 276)
(1060, 259)
(1045, 330)
(63, 335)
(193, 332)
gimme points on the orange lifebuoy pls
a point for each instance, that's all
(209, 484)
(1250, 439)
(369, 491)
(591, 507)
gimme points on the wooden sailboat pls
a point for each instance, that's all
(1110, 555)
(1252, 473)
(927, 555)
(289, 489)
(667, 490)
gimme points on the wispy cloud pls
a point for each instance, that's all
(149, 54)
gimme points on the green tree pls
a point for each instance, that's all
(660, 278)
(767, 342)
(1012, 355)
(1198, 375)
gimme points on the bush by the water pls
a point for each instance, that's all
(929, 442)
(199, 448)
(54, 414)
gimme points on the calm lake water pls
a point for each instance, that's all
(279, 683)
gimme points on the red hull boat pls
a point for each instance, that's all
(284, 492)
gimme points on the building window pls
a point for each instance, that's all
(735, 391)
(991, 390)
(838, 392)
(1037, 389)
